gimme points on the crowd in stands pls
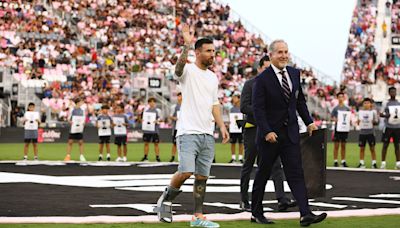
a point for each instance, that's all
(395, 15)
(95, 50)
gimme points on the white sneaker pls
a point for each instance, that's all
(25, 158)
(119, 159)
(124, 159)
(383, 165)
(82, 158)
(397, 166)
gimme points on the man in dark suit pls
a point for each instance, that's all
(277, 95)
(251, 153)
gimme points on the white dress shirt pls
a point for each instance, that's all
(278, 74)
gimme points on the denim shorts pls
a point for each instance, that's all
(196, 153)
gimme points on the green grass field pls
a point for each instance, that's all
(56, 151)
(350, 222)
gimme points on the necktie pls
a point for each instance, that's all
(285, 86)
(286, 92)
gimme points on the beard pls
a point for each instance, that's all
(208, 62)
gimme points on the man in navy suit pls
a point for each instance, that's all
(277, 95)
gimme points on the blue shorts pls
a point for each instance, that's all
(196, 153)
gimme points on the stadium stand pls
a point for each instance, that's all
(108, 51)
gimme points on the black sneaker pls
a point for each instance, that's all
(144, 159)
(214, 160)
(336, 164)
(344, 164)
(374, 166)
(100, 158)
(172, 159)
(232, 161)
(361, 166)
(241, 161)
(158, 159)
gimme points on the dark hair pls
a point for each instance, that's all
(31, 104)
(151, 99)
(391, 88)
(121, 106)
(340, 93)
(367, 99)
(179, 94)
(105, 107)
(77, 100)
(262, 60)
(199, 43)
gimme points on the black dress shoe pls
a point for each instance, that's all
(261, 220)
(284, 206)
(312, 218)
(245, 206)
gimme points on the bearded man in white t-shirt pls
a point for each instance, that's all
(195, 141)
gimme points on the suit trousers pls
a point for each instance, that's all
(292, 166)
(250, 155)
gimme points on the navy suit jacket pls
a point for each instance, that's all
(271, 109)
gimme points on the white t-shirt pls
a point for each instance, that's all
(199, 93)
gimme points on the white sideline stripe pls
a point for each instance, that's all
(110, 163)
(276, 201)
(158, 164)
(364, 170)
(385, 196)
(366, 200)
(148, 208)
(231, 206)
(46, 162)
(322, 204)
(186, 218)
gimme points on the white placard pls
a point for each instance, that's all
(31, 120)
(149, 119)
(233, 127)
(78, 123)
(394, 112)
(343, 121)
(104, 127)
(302, 125)
(119, 128)
(366, 118)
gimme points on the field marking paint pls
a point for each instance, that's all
(148, 208)
(139, 182)
(322, 204)
(186, 218)
(385, 196)
(365, 200)
(155, 164)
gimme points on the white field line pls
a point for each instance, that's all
(186, 218)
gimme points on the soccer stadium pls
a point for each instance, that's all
(183, 113)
